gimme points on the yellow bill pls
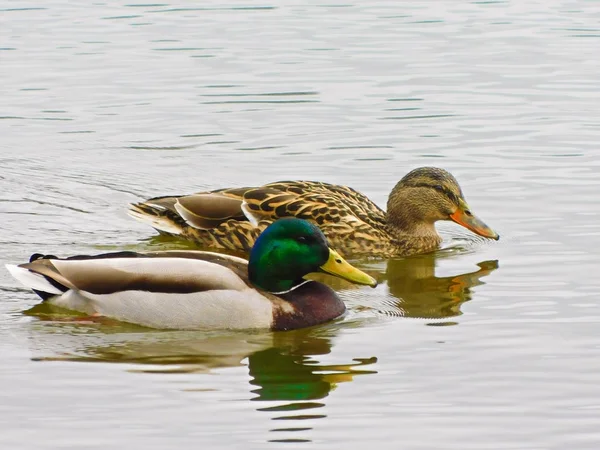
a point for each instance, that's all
(339, 267)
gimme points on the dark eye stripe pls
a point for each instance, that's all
(441, 189)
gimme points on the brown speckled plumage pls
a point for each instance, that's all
(352, 223)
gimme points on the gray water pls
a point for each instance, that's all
(480, 345)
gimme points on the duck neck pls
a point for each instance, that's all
(262, 278)
(417, 239)
(408, 223)
(422, 231)
(269, 270)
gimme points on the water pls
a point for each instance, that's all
(481, 345)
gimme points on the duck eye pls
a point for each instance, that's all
(302, 239)
(468, 213)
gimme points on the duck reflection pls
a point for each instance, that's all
(291, 372)
(420, 293)
(409, 287)
(291, 369)
(284, 367)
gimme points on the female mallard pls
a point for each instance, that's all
(232, 219)
(202, 290)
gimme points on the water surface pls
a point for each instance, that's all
(480, 345)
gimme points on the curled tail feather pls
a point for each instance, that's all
(159, 216)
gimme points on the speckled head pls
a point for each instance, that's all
(428, 194)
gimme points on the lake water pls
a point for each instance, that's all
(481, 345)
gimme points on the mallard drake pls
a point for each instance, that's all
(202, 290)
(231, 219)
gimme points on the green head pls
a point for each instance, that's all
(291, 248)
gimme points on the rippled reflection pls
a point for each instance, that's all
(292, 372)
(284, 367)
(421, 293)
(409, 287)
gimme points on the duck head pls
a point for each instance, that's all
(291, 248)
(426, 195)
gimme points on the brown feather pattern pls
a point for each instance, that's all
(352, 223)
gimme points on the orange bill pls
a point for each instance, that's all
(465, 218)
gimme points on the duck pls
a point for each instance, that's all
(194, 289)
(231, 219)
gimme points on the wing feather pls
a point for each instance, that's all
(195, 272)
